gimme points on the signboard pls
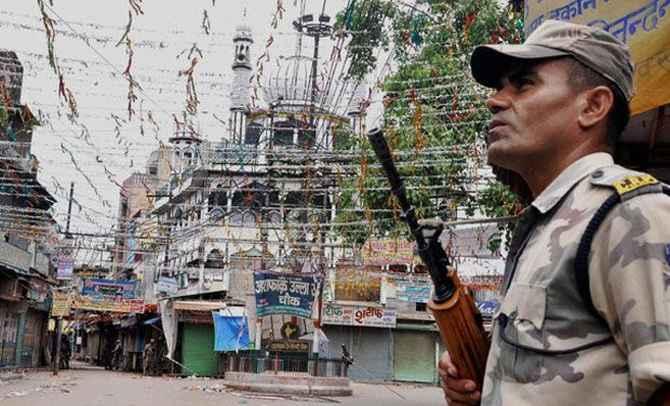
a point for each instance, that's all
(65, 267)
(644, 25)
(280, 293)
(167, 285)
(487, 307)
(366, 316)
(109, 304)
(413, 291)
(288, 346)
(106, 288)
(337, 315)
(355, 284)
(388, 252)
(61, 304)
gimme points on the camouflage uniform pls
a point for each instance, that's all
(547, 347)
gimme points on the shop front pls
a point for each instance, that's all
(367, 333)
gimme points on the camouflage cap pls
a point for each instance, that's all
(594, 47)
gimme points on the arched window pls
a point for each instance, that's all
(253, 134)
(215, 260)
(283, 133)
(178, 217)
(218, 198)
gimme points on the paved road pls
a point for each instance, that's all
(97, 387)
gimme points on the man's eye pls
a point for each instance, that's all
(522, 82)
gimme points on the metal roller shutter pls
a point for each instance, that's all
(414, 356)
(198, 350)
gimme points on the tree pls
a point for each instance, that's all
(434, 115)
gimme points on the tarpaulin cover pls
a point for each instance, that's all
(231, 333)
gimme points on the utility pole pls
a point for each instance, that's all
(59, 320)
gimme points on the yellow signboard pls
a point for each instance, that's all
(388, 252)
(644, 25)
(61, 304)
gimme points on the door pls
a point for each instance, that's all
(414, 356)
(9, 323)
(198, 350)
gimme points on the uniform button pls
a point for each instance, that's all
(597, 174)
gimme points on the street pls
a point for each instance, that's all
(87, 386)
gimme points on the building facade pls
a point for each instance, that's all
(28, 237)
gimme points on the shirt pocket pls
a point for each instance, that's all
(521, 317)
(524, 323)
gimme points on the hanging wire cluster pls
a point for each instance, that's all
(194, 94)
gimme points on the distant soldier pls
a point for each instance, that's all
(65, 352)
(149, 358)
(117, 354)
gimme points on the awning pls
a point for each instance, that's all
(198, 306)
(152, 321)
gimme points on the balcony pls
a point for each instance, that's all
(21, 260)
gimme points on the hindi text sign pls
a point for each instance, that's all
(644, 25)
(281, 293)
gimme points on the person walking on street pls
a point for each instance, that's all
(585, 317)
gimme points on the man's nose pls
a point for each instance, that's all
(497, 101)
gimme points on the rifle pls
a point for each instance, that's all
(452, 306)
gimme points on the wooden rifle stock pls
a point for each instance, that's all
(452, 305)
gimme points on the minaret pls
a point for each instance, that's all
(185, 146)
(241, 76)
(357, 110)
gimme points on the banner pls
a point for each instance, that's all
(644, 25)
(109, 304)
(107, 288)
(355, 284)
(61, 304)
(231, 333)
(280, 293)
(388, 252)
(365, 316)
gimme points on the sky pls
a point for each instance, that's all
(106, 146)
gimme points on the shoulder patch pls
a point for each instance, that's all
(633, 182)
(626, 182)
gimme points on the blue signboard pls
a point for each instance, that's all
(413, 291)
(280, 293)
(488, 307)
(99, 288)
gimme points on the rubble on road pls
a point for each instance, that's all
(11, 377)
(63, 387)
(221, 388)
(14, 395)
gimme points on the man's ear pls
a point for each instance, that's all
(595, 106)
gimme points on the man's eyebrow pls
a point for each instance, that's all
(527, 70)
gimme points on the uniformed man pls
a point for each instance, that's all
(149, 358)
(573, 329)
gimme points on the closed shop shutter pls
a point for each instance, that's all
(372, 353)
(370, 346)
(198, 349)
(414, 356)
